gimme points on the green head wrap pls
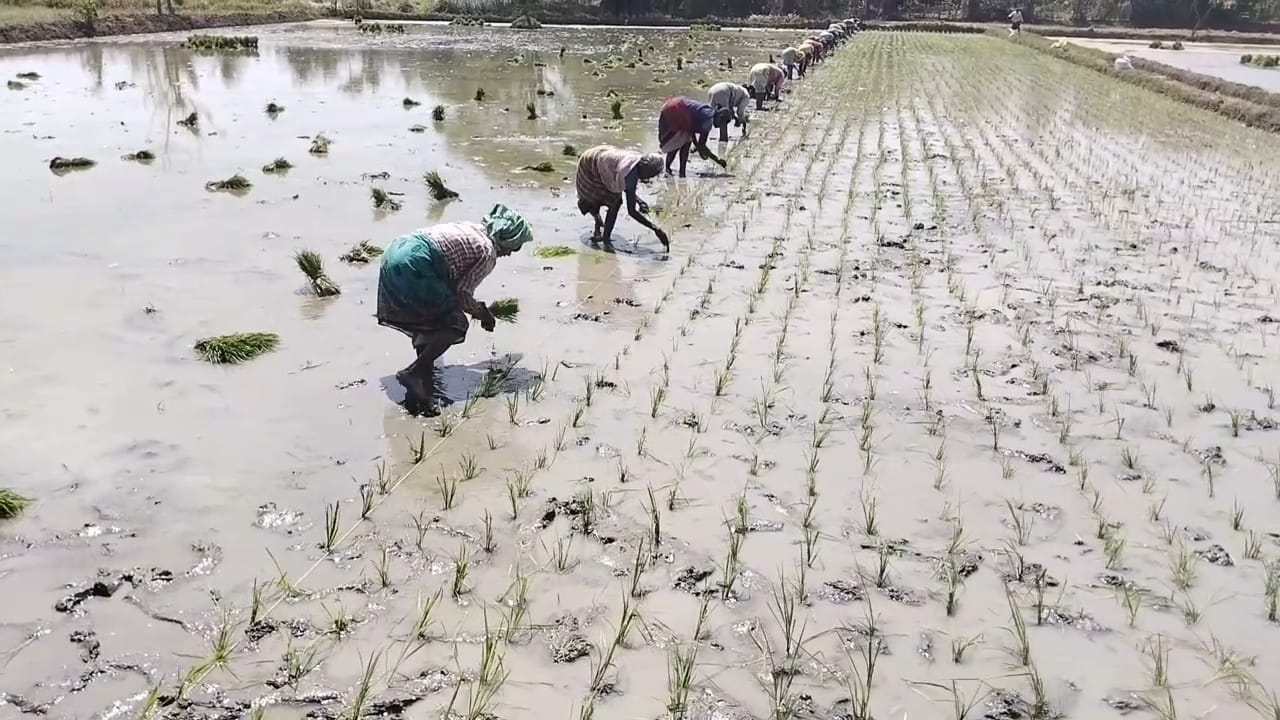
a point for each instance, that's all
(506, 228)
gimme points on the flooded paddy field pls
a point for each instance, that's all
(1221, 60)
(954, 397)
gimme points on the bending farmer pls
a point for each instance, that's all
(427, 282)
(766, 79)
(731, 96)
(684, 123)
(605, 175)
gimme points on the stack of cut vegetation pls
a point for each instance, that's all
(436, 185)
(236, 183)
(542, 167)
(320, 145)
(312, 265)
(141, 156)
(273, 109)
(382, 28)
(506, 309)
(468, 21)
(361, 253)
(63, 164)
(526, 22)
(383, 200)
(222, 43)
(279, 165)
(236, 348)
(1265, 61)
(12, 503)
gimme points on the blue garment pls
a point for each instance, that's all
(414, 291)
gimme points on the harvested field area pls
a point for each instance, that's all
(954, 397)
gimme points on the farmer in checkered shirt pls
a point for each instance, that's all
(426, 290)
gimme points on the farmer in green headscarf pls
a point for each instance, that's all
(426, 285)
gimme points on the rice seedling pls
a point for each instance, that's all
(615, 108)
(435, 183)
(562, 556)
(361, 253)
(12, 503)
(1271, 590)
(569, 151)
(542, 167)
(860, 682)
(1237, 516)
(460, 585)
(437, 113)
(961, 645)
(382, 200)
(731, 566)
(1252, 546)
(1021, 650)
(1113, 548)
(479, 96)
(277, 166)
(312, 266)
(235, 184)
(273, 109)
(1019, 522)
(532, 110)
(236, 348)
(656, 396)
(1182, 566)
(320, 145)
(448, 487)
(554, 251)
(143, 156)
(868, 502)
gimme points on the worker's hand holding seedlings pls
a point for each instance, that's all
(607, 176)
(426, 289)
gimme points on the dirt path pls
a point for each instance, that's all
(958, 393)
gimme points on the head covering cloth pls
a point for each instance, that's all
(506, 228)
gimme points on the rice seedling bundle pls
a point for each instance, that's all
(505, 309)
(236, 348)
(235, 183)
(278, 165)
(12, 503)
(361, 252)
(312, 265)
(553, 251)
(439, 190)
(141, 156)
(73, 163)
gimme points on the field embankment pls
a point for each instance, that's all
(131, 24)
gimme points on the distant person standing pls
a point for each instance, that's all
(1015, 23)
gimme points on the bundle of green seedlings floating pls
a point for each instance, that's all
(141, 156)
(73, 163)
(410, 103)
(439, 190)
(224, 43)
(361, 253)
(12, 503)
(279, 165)
(191, 121)
(236, 348)
(320, 145)
(505, 309)
(28, 76)
(273, 109)
(15, 85)
(235, 183)
(533, 111)
(553, 251)
(542, 167)
(312, 265)
(479, 94)
(615, 108)
(383, 201)
(437, 113)
(569, 151)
